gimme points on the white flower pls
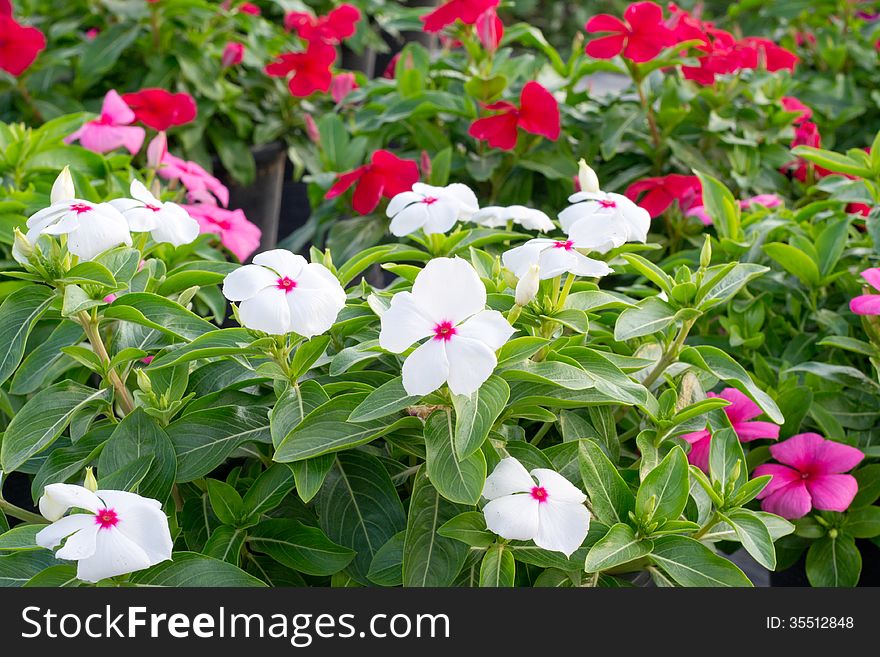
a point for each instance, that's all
(121, 533)
(447, 304)
(91, 228)
(527, 286)
(433, 209)
(587, 178)
(550, 512)
(602, 221)
(495, 216)
(282, 293)
(166, 222)
(553, 257)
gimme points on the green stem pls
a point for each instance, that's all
(22, 514)
(566, 288)
(711, 522)
(90, 326)
(541, 433)
(671, 354)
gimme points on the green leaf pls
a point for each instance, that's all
(690, 563)
(665, 487)
(19, 567)
(469, 528)
(795, 262)
(191, 569)
(90, 273)
(650, 271)
(430, 559)
(498, 569)
(293, 406)
(387, 566)
(305, 549)
(554, 373)
(22, 537)
(306, 354)
(754, 536)
(310, 474)
(476, 414)
(360, 509)
(721, 206)
(834, 562)
(388, 398)
(225, 544)
(18, 314)
(42, 419)
(830, 244)
(649, 316)
(458, 480)
(160, 314)
(863, 523)
(225, 501)
(725, 451)
(610, 498)
(267, 491)
(832, 161)
(715, 292)
(619, 546)
(128, 477)
(102, 53)
(221, 342)
(46, 361)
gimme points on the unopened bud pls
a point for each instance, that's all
(587, 178)
(22, 249)
(527, 287)
(62, 188)
(706, 253)
(143, 380)
(90, 482)
(312, 129)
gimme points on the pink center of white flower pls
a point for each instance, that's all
(540, 493)
(444, 331)
(567, 245)
(605, 203)
(79, 208)
(429, 200)
(154, 208)
(287, 284)
(106, 518)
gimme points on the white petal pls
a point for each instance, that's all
(174, 226)
(425, 369)
(47, 216)
(489, 327)
(514, 517)
(58, 498)
(399, 202)
(562, 526)
(464, 195)
(115, 554)
(282, 261)
(314, 310)
(62, 188)
(246, 281)
(558, 488)
(80, 545)
(139, 218)
(142, 521)
(409, 219)
(598, 231)
(266, 311)
(403, 324)
(555, 262)
(142, 194)
(100, 229)
(531, 219)
(51, 536)
(519, 259)
(492, 216)
(508, 477)
(581, 265)
(441, 216)
(471, 362)
(449, 290)
(636, 218)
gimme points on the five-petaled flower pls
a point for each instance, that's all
(166, 222)
(538, 114)
(601, 221)
(310, 69)
(447, 305)
(541, 506)
(386, 175)
(160, 109)
(868, 304)
(339, 24)
(120, 533)
(553, 258)
(91, 228)
(495, 216)
(661, 192)
(283, 293)
(811, 477)
(433, 209)
(466, 11)
(235, 231)
(639, 37)
(19, 45)
(199, 183)
(111, 129)
(741, 414)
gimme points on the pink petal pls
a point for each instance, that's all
(700, 442)
(782, 477)
(799, 452)
(873, 277)
(833, 457)
(748, 431)
(791, 501)
(833, 492)
(643, 15)
(741, 407)
(605, 23)
(116, 110)
(866, 304)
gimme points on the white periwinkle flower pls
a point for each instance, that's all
(91, 228)
(550, 512)
(553, 258)
(283, 293)
(602, 221)
(120, 533)
(448, 305)
(166, 222)
(495, 216)
(433, 209)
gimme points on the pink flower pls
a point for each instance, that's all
(92, 33)
(160, 109)
(236, 233)
(342, 85)
(792, 104)
(312, 129)
(868, 304)
(490, 29)
(233, 53)
(741, 413)
(111, 129)
(699, 211)
(814, 478)
(249, 8)
(773, 56)
(197, 181)
(146, 360)
(639, 37)
(391, 70)
(156, 150)
(767, 200)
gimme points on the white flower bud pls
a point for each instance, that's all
(587, 178)
(527, 287)
(62, 188)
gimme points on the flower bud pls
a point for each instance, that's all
(156, 150)
(62, 188)
(527, 287)
(22, 249)
(587, 178)
(706, 253)
(143, 381)
(90, 482)
(312, 129)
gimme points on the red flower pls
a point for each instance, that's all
(311, 69)
(339, 24)
(467, 11)
(806, 134)
(664, 191)
(490, 29)
(386, 175)
(19, 45)
(5, 8)
(233, 53)
(792, 104)
(640, 37)
(391, 70)
(249, 8)
(774, 57)
(538, 113)
(160, 109)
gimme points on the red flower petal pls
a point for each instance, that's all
(499, 130)
(160, 109)
(606, 47)
(369, 192)
(539, 111)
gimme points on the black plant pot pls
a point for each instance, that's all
(17, 490)
(295, 206)
(261, 200)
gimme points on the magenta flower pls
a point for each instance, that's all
(235, 231)
(741, 414)
(868, 304)
(197, 181)
(811, 477)
(111, 129)
(342, 85)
